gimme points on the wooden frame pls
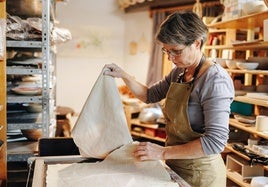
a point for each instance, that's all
(39, 177)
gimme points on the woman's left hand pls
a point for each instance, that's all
(149, 151)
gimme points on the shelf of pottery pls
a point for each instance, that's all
(239, 46)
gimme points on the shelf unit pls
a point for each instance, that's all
(3, 145)
(151, 127)
(47, 98)
(250, 23)
(155, 132)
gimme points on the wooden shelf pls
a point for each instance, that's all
(253, 72)
(250, 27)
(260, 45)
(253, 101)
(216, 31)
(235, 177)
(245, 22)
(136, 122)
(257, 45)
(247, 127)
(142, 135)
(229, 147)
(218, 47)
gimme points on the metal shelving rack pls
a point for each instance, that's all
(48, 59)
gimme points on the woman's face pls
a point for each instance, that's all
(182, 56)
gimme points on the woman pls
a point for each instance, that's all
(198, 94)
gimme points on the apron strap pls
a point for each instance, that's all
(180, 76)
(202, 60)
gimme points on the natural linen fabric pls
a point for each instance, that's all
(119, 169)
(101, 126)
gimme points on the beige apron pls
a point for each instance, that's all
(207, 171)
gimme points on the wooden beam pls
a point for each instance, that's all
(162, 4)
(186, 7)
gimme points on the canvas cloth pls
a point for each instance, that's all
(119, 169)
(101, 126)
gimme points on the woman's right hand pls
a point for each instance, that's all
(115, 71)
(139, 90)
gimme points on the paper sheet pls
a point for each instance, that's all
(119, 169)
(102, 125)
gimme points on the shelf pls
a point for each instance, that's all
(247, 127)
(229, 147)
(245, 22)
(14, 126)
(250, 26)
(255, 72)
(257, 46)
(22, 71)
(218, 47)
(24, 99)
(146, 125)
(136, 122)
(253, 101)
(24, 44)
(217, 31)
(142, 135)
(236, 177)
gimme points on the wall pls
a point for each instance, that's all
(101, 34)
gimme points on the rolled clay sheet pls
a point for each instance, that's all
(101, 126)
(119, 169)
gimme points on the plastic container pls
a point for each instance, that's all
(241, 108)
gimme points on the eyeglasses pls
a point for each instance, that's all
(173, 52)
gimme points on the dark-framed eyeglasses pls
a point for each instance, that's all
(173, 52)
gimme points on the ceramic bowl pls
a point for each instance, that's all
(247, 65)
(221, 61)
(32, 134)
(231, 64)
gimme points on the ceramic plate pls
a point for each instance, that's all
(27, 90)
(245, 119)
(240, 93)
(34, 78)
(241, 43)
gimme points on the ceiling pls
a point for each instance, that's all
(160, 4)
